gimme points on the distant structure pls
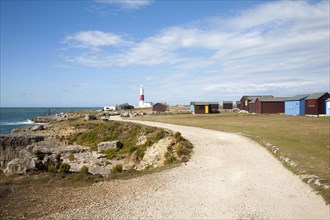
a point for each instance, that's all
(295, 105)
(204, 107)
(143, 104)
(227, 105)
(109, 108)
(159, 107)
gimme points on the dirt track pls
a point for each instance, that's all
(228, 177)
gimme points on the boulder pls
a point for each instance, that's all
(90, 117)
(155, 155)
(21, 165)
(109, 145)
(37, 128)
(11, 145)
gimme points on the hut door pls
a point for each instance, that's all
(206, 109)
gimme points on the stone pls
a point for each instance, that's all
(155, 155)
(11, 145)
(106, 145)
(37, 128)
(20, 165)
(90, 117)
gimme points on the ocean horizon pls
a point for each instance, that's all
(15, 117)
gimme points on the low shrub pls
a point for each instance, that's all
(110, 153)
(84, 169)
(64, 168)
(131, 149)
(177, 134)
(71, 157)
(52, 168)
(169, 158)
(117, 169)
(141, 150)
(179, 150)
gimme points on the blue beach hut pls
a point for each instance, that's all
(295, 105)
(327, 104)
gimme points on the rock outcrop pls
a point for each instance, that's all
(106, 145)
(155, 155)
(12, 145)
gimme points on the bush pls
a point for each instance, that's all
(111, 153)
(119, 145)
(177, 134)
(178, 137)
(84, 169)
(179, 150)
(140, 151)
(117, 169)
(71, 157)
(131, 149)
(51, 168)
(169, 158)
(64, 168)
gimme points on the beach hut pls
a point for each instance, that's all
(252, 105)
(270, 105)
(238, 104)
(227, 105)
(295, 105)
(328, 107)
(204, 107)
(315, 103)
(159, 107)
(245, 100)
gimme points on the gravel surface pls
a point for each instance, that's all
(228, 177)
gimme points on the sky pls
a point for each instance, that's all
(98, 53)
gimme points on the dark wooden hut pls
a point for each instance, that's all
(227, 105)
(204, 107)
(315, 104)
(270, 105)
(159, 107)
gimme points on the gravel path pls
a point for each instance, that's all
(228, 177)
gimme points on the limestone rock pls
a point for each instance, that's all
(20, 165)
(37, 128)
(106, 145)
(155, 155)
(90, 117)
(11, 145)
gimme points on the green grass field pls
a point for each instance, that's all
(304, 140)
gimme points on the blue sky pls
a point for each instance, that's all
(96, 53)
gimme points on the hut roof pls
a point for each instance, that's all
(316, 95)
(297, 97)
(272, 99)
(204, 103)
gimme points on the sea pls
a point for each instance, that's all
(11, 118)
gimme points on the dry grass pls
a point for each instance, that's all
(305, 140)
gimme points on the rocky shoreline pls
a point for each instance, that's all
(46, 147)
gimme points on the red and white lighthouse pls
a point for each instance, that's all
(141, 103)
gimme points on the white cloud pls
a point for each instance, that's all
(286, 42)
(128, 4)
(94, 39)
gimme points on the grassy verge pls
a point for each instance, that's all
(304, 140)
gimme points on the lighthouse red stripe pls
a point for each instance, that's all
(142, 97)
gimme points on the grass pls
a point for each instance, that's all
(96, 131)
(305, 140)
